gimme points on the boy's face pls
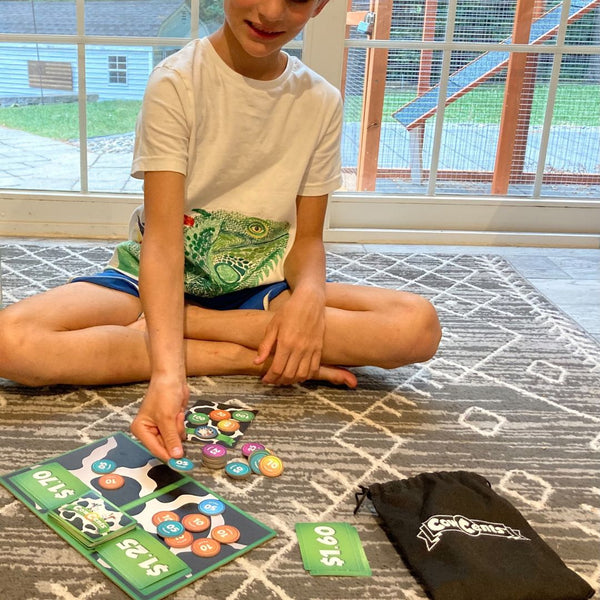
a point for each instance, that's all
(262, 27)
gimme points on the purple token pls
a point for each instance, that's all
(250, 447)
(214, 451)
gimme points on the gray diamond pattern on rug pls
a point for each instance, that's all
(513, 394)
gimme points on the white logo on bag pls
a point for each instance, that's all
(432, 530)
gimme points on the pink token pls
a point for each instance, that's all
(250, 447)
(214, 451)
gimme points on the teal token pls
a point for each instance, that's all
(170, 529)
(243, 416)
(104, 466)
(237, 470)
(211, 508)
(198, 418)
(255, 458)
(181, 464)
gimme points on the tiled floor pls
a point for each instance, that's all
(568, 277)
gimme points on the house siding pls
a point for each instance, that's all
(14, 58)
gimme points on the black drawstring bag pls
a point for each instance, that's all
(462, 541)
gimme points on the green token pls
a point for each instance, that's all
(244, 416)
(198, 418)
(255, 458)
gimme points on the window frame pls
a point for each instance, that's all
(352, 217)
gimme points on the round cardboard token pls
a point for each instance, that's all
(256, 457)
(104, 466)
(271, 466)
(179, 541)
(170, 529)
(206, 547)
(237, 470)
(196, 522)
(219, 415)
(249, 447)
(181, 464)
(216, 451)
(206, 432)
(228, 425)
(164, 515)
(211, 507)
(198, 418)
(225, 534)
(244, 416)
(111, 482)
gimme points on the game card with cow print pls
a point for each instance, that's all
(92, 519)
(149, 528)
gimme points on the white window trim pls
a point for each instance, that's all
(352, 217)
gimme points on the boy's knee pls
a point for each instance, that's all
(431, 332)
(419, 332)
(16, 337)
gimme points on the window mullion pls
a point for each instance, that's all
(552, 87)
(441, 106)
(82, 97)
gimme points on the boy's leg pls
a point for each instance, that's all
(364, 326)
(86, 334)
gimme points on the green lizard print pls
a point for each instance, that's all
(227, 251)
(224, 251)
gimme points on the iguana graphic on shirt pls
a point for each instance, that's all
(227, 251)
(224, 251)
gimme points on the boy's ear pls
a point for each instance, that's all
(320, 6)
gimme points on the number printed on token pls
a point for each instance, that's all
(164, 515)
(196, 522)
(228, 425)
(104, 466)
(179, 541)
(198, 418)
(219, 415)
(211, 507)
(181, 464)
(111, 482)
(225, 534)
(244, 416)
(271, 466)
(170, 529)
(206, 547)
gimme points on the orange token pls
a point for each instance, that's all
(196, 522)
(164, 515)
(219, 415)
(111, 482)
(179, 541)
(228, 425)
(225, 534)
(271, 466)
(206, 548)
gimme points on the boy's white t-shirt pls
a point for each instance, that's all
(247, 149)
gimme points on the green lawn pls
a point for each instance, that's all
(575, 105)
(61, 121)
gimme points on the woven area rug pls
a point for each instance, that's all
(513, 394)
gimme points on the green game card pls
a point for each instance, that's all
(332, 549)
(50, 485)
(141, 559)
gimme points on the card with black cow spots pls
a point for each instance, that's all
(92, 519)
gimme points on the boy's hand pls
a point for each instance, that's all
(159, 424)
(295, 337)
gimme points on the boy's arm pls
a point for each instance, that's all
(159, 422)
(295, 333)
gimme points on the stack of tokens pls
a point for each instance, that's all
(214, 456)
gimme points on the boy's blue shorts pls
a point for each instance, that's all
(256, 298)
